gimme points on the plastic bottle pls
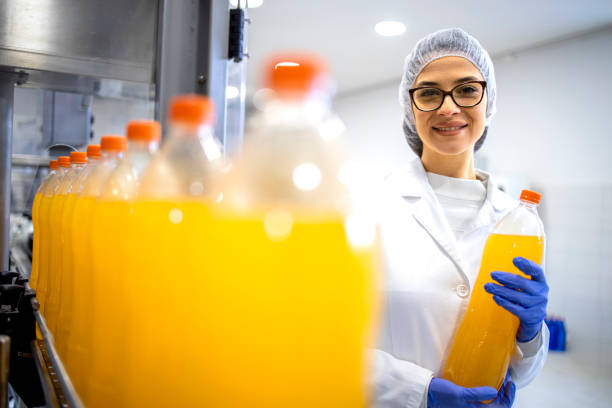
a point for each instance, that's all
(78, 161)
(485, 340)
(53, 165)
(81, 342)
(287, 297)
(109, 298)
(66, 308)
(170, 210)
(48, 235)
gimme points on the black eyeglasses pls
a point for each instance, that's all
(466, 95)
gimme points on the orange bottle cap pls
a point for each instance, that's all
(53, 164)
(64, 161)
(143, 130)
(78, 157)
(93, 151)
(531, 196)
(296, 75)
(113, 143)
(192, 110)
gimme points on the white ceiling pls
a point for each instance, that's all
(342, 31)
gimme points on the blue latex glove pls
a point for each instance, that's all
(443, 393)
(525, 298)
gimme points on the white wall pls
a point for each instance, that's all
(552, 132)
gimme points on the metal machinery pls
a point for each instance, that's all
(69, 71)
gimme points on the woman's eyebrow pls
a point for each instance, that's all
(458, 81)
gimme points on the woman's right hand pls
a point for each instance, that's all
(443, 393)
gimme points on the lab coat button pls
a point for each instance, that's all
(462, 291)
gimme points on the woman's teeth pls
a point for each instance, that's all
(450, 128)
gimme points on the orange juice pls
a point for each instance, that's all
(481, 357)
(66, 307)
(77, 353)
(108, 251)
(107, 363)
(66, 284)
(244, 319)
(36, 240)
(45, 244)
(48, 236)
(52, 295)
(53, 166)
(80, 342)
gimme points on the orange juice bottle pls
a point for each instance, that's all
(66, 309)
(285, 292)
(78, 161)
(53, 165)
(164, 231)
(485, 340)
(81, 342)
(108, 245)
(48, 233)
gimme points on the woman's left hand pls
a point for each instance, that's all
(525, 298)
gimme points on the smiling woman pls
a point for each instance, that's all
(437, 216)
(449, 129)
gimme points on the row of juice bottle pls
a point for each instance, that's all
(171, 277)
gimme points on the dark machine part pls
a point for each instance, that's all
(17, 323)
(236, 35)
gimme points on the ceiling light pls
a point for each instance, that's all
(390, 28)
(252, 3)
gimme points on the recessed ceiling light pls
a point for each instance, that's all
(252, 3)
(390, 28)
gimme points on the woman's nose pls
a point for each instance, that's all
(449, 107)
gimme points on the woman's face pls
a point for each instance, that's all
(450, 130)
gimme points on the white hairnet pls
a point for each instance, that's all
(444, 43)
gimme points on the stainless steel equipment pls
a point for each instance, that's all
(73, 56)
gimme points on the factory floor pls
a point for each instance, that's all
(570, 379)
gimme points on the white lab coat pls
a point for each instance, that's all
(427, 287)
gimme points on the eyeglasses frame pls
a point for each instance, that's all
(446, 93)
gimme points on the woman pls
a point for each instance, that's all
(440, 212)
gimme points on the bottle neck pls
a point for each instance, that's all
(180, 133)
(181, 130)
(311, 108)
(529, 204)
(141, 146)
(112, 154)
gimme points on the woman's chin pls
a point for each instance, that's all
(452, 149)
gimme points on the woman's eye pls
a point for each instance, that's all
(467, 90)
(429, 92)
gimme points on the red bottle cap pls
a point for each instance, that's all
(531, 196)
(295, 75)
(93, 151)
(113, 143)
(64, 161)
(78, 157)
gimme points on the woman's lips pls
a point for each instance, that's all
(450, 129)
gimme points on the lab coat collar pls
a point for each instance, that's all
(410, 181)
